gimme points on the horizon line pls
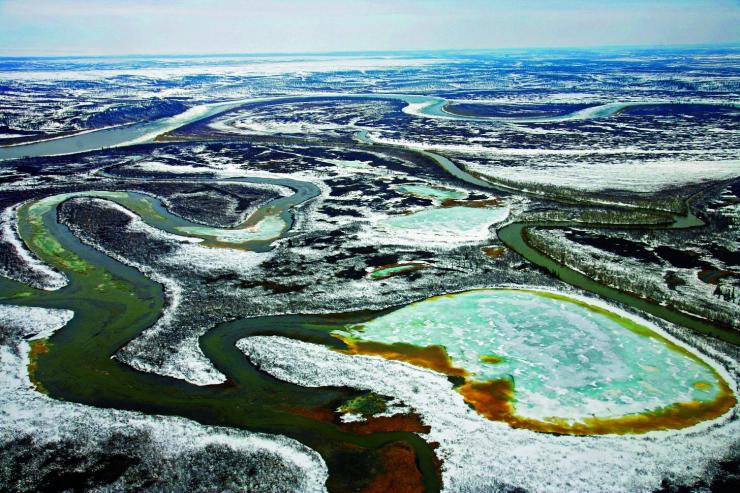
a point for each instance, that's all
(731, 44)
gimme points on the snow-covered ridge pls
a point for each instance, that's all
(628, 175)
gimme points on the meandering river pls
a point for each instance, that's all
(114, 303)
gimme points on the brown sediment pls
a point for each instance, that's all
(212, 243)
(702, 385)
(169, 137)
(713, 276)
(246, 245)
(492, 399)
(494, 252)
(477, 204)
(400, 475)
(495, 400)
(38, 346)
(323, 413)
(393, 467)
(432, 357)
(491, 358)
(410, 422)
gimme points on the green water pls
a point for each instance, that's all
(512, 236)
(264, 230)
(389, 271)
(450, 221)
(114, 303)
(564, 358)
(431, 192)
(268, 228)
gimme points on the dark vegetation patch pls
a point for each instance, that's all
(729, 257)
(336, 211)
(382, 260)
(514, 110)
(673, 280)
(338, 256)
(680, 110)
(106, 223)
(618, 246)
(232, 279)
(132, 111)
(59, 466)
(723, 477)
(132, 461)
(352, 273)
(363, 250)
(682, 259)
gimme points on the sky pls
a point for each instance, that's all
(117, 27)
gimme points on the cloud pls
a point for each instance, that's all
(199, 26)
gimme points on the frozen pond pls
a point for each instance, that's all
(563, 358)
(446, 224)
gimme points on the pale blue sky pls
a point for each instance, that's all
(62, 27)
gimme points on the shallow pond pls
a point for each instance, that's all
(561, 357)
(395, 269)
(448, 223)
(431, 192)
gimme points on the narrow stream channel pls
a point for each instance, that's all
(114, 303)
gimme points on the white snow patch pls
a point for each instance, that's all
(628, 175)
(440, 227)
(33, 322)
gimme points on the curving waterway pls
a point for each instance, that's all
(114, 303)
(422, 106)
(513, 235)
